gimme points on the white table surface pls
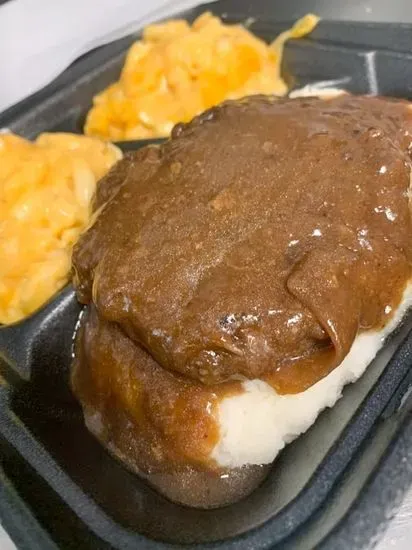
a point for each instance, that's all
(398, 535)
(5, 541)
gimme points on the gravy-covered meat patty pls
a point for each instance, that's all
(250, 253)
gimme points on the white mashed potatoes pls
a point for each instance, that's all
(257, 424)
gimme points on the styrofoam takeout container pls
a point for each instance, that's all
(332, 488)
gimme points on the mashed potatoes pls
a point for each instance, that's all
(45, 193)
(177, 71)
(256, 425)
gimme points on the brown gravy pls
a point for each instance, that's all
(167, 445)
(256, 243)
(161, 421)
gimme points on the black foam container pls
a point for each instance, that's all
(334, 487)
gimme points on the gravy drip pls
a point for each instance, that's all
(157, 419)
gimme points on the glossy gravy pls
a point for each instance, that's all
(256, 243)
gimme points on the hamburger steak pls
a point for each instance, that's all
(256, 246)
